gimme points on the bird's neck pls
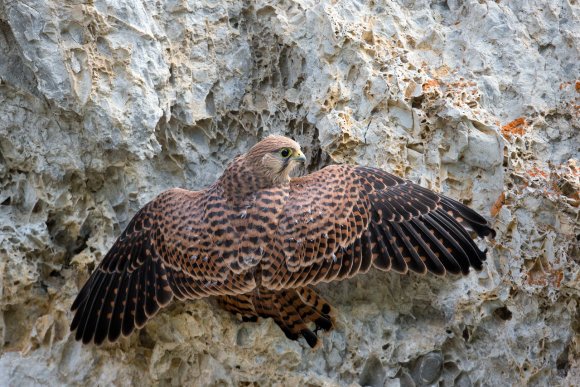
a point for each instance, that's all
(240, 181)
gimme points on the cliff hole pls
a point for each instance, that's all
(373, 373)
(465, 334)
(562, 362)
(503, 313)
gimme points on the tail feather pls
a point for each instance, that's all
(292, 309)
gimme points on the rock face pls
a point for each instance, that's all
(105, 104)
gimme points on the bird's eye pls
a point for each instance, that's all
(285, 152)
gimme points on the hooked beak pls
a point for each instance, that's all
(299, 157)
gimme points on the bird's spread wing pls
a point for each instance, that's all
(183, 243)
(342, 220)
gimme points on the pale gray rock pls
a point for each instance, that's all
(105, 104)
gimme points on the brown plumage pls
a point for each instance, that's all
(258, 239)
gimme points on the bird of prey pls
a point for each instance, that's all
(258, 239)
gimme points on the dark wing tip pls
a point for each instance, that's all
(470, 219)
(114, 304)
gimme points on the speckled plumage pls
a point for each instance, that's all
(257, 239)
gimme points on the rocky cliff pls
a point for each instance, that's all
(104, 104)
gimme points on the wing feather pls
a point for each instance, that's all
(357, 257)
(394, 244)
(433, 264)
(104, 317)
(140, 316)
(411, 258)
(169, 248)
(91, 311)
(129, 307)
(366, 253)
(382, 253)
(443, 248)
(113, 330)
(339, 221)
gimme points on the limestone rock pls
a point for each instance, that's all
(105, 104)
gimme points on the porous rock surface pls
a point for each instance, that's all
(104, 104)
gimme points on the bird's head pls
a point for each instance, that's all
(274, 158)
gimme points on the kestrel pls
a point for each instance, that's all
(258, 239)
